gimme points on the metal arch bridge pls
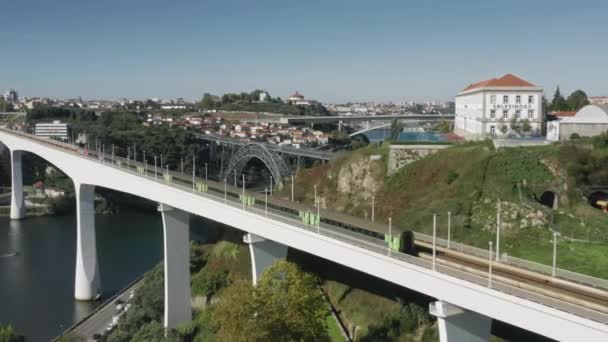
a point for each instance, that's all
(302, 152)
(275, 164)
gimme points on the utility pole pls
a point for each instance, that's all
(315, 187)
(145, 165)
(266, 201)
(243, 198)
(225, 190)
(449, 227)
(555, 236)
(434, 239)
(390, 234)
(182, 165)
(292, 187)
(373, 207)
(205, 171)
(271, 186)
(155, 169)
(490, 265)
(235, 177)
(498, 232)
(318, 218)
(193, 171)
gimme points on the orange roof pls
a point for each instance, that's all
(563, 114)
(508, 80)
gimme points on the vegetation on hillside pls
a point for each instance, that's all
(469, 180)
(250, 102)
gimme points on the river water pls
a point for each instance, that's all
(37, 284)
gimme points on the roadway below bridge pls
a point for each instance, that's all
(102, 320)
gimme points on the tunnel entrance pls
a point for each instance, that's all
(599, 200)
(548, 199)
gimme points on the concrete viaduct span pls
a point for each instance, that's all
(465, 303)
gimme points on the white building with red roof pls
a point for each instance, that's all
(298, 99)
(487, 108)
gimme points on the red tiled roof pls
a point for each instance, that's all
(508, 80)
(563, 114)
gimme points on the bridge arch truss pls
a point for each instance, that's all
(273, 161)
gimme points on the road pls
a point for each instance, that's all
(97, 322)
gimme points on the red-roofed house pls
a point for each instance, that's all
(486, 108)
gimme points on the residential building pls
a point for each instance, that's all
(54, 130)
(598, 100)
(588, 121)
(298, 99)
(486, 108)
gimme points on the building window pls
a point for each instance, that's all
(492, 130)
(518, 99)
(531, 99)
(492, 99)
(492, 113)
(531, 113)
(517, 114)
(505, 114)
(505, 99)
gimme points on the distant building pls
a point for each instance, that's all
(588, 121)
(486, 108)
(54, 130)
(298, 99)
(598, 100)
(263, 96)
(11, 96)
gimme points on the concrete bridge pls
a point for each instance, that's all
(466, 301)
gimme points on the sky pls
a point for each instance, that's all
(332, 51)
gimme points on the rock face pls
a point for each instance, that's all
(513, 215)
(357, 179)
(401, 155)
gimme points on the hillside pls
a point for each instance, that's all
(468, 180)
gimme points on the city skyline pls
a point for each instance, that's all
(336, 52)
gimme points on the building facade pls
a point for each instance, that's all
(55, 130)
(588, 121)
(499, 107)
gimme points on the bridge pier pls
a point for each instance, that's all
(178, 307)
(264, 253)
(17, 202)
(88, 282)
(459, 325)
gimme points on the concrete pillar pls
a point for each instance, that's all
(178, 307)
(264, 253)
(459, 325)
(17, 203)
(88, 282)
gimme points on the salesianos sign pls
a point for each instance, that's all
(512, 106)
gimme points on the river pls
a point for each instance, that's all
(37, 284)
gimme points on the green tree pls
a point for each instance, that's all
(285, 305)
(558, 103)
(5, 106)
(514, 124)
(8, 334)
(577, 100)
(525, 126)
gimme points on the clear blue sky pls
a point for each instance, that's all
(329, 50)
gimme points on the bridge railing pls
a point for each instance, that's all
(346, 236)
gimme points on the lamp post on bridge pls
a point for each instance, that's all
(243, 198)
(193, 171)
(498, 232)
(554, 268)
(182, 165)
(205, 172)
(373, 207)
(292, 187)
(449, 227)
(145, 165)
(315, 191)
(490, 264)
(155, 169)
(434, 239)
